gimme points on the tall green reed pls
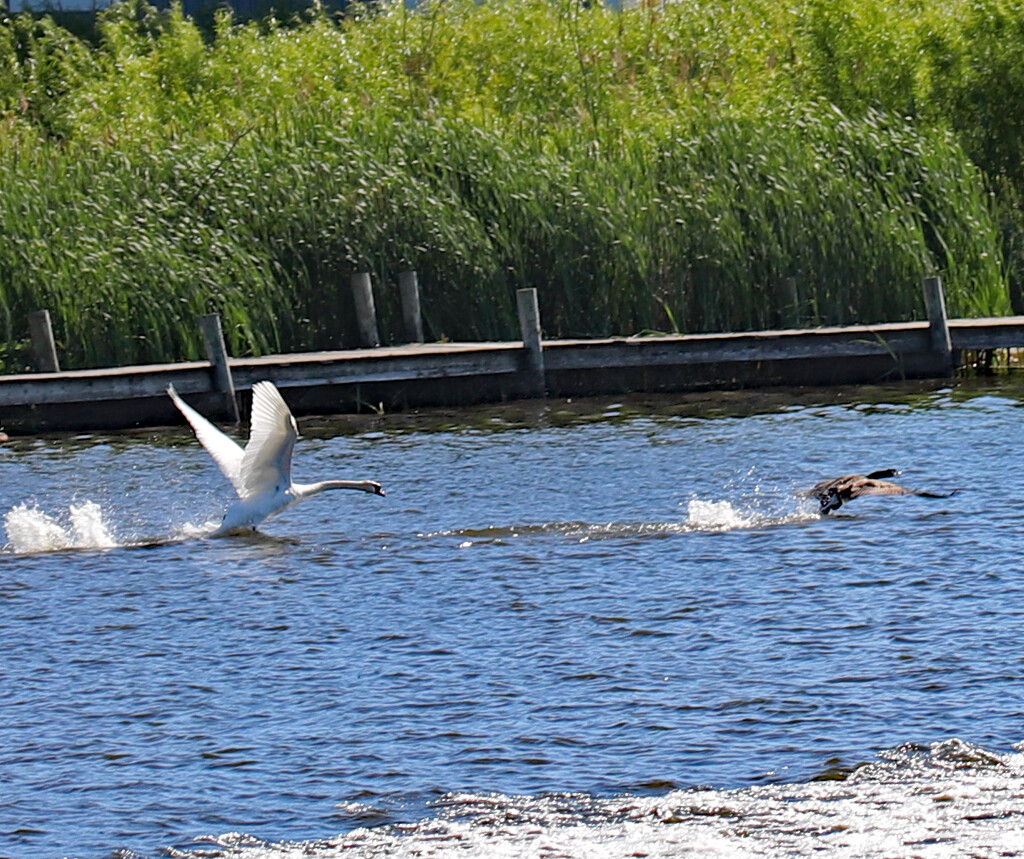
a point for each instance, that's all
(663, 168)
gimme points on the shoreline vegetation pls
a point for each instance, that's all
(663, 168)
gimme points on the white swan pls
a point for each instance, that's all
(261, 474)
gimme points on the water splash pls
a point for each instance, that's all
(717, 516)
(760, 512)
(194, 531)
(31, 530)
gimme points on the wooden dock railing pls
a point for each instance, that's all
(419, 374)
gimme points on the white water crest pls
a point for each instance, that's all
(29, 529)
(950, 799)
(716, 516)
(704, 515)
(193, 531)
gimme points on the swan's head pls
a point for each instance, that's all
(374, 487)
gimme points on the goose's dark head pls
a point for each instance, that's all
(883, 473)
(830, 501)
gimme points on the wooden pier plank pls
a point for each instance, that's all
(1005, 332)
(759, 346)
(416, 372)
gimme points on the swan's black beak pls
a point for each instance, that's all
(378, 489)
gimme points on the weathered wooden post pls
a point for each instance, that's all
(366, 313)
(938, 325)
(790, 302)
(529, 326)
(43, 346)
(220, 369)
(409, 292)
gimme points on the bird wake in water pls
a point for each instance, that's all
(702, 516)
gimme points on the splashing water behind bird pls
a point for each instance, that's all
(29, 529)
(754, 512)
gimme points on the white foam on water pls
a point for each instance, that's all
(719, 516)
(30, 530)
(716, 516)
(952, 799)
(191, 531)
(88, 527)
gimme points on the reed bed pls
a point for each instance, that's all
(651, 170)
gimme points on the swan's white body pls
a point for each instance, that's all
(261, 473)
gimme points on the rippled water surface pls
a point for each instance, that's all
(585, 629)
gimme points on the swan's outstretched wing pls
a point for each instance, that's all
(267, 461)
(225, 451)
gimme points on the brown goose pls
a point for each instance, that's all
(832, 494)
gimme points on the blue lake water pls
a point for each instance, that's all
(605, 602)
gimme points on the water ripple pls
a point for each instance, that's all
(601, 637)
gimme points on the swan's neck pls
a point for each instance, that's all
(306, 490)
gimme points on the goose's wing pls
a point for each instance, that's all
(225, 451)
(824, 486)
(267, 461)
(868, 486)
(853, 483)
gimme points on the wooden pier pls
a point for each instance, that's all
(394, 378)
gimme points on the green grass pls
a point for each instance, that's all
(660, 169)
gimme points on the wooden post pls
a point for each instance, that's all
(529, 326)
(43, 346)
(790, 302)
(217, 355)
(938, 326)
(409, 292)
(366, 313)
